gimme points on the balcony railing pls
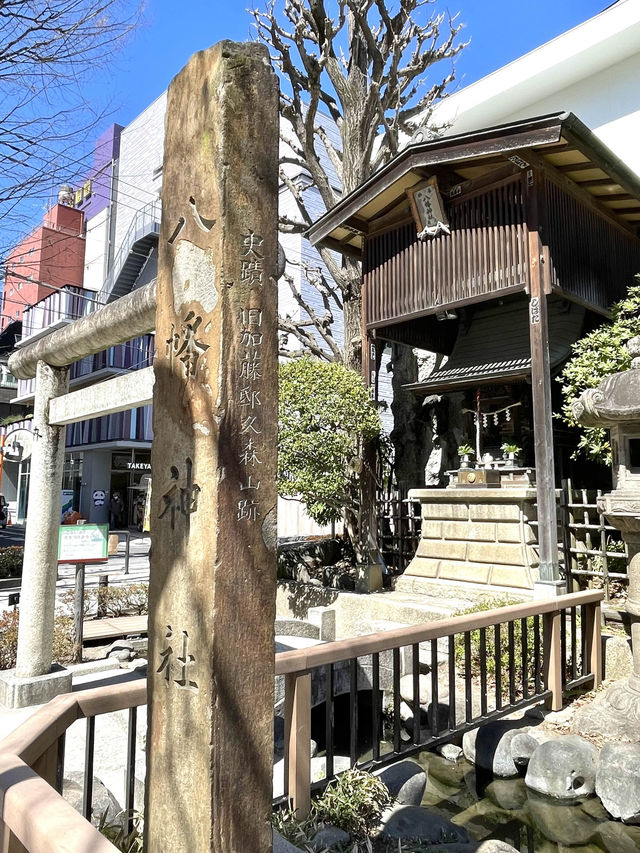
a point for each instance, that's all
(68, 303)
(558, 649)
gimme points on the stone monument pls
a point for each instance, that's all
(212, 588)
(615, 405)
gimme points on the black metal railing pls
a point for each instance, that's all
(480, 667)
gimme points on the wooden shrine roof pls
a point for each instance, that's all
(494, 345)
(559, 142)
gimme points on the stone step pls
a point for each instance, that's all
(450, 593)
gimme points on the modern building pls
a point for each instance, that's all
(109, 454)
(119, 199)
(592, 70)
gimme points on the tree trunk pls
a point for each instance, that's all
(412, 435)
(353, 331)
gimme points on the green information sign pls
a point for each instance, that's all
(83, 543)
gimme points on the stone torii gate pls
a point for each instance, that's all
(212, 588)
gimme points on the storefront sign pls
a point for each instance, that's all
(83, 543)
(139, 466)
(99, 497)
(67, 504)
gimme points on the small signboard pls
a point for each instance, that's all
(83, 543)
(18, 445)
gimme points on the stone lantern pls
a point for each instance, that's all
(615, 405)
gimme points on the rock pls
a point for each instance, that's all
(328, 836)
(618, 780)
(523, 745)
(423, 824)
(489, 746)
(346, 582)
(406, 715)
(536, 713)
(121, 650)
(492, 846)
(405, 780)
(450, 751)
(618, 660)
(564, 767)
(561, 821)
(281, 845)
(102, 801)
(618, 838)
(508, 794)
(424, 687)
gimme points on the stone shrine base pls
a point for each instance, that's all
(614, 715)
(477, 535)
(22, 692)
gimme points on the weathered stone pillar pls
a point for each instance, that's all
(38, 590)
(212, 595)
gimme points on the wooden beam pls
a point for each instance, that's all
(297, 758)
(539, 287)
(578, 167)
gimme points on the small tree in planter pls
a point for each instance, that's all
(511, 453)
(324, 418)
(465, 452)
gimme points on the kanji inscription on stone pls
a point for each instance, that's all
(212, 578)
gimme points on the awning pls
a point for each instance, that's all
(494, 347)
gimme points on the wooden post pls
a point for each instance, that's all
(593, 643)
(297, 743)
(8, 842)
(552, 659)
(213, 569)
(539, 287)
(78, 613)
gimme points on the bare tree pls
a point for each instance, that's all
(48, 50)
(354, 87)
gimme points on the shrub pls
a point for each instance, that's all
(325, 417)
(11, 561)
(116, 831)
(353, 802)
(138, 598)
(62, 638)
(67, 602)
(8, 638)
(122, 600)
(598, 354)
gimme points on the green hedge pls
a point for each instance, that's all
(11, 561)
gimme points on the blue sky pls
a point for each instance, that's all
(169, 33)
(500, 31)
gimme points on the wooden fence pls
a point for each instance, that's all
(593, 551)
